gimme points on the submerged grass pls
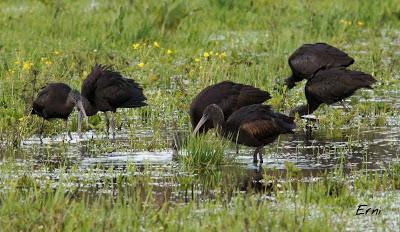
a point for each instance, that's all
(204, 151)
(129, 202)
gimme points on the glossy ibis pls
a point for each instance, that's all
(229, 96)
(308, 59)
(254, 125)
(57, 100)
(330, 86)
(107, 90)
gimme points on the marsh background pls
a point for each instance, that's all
(175, 49)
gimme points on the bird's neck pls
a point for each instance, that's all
(219, 124)
(90, 108)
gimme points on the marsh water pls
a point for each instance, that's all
(94, 157)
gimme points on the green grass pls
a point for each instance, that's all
(174, 49)
(256, 37)
(129, 202)
(203, 151)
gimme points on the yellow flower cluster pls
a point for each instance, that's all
(345, 22)
(136, 46)
(46, 61)
(348, 22)
(208, 55)
(27, 65)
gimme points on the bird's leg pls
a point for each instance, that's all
(41, 131)
(308, 128)
(237, 148)
(80, 124)
(107, 122)
(255, 155)
(260, 154)
(113, 125)
(124, 121)
(66, 127)
(344, 106)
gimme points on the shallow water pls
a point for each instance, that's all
(324, 150)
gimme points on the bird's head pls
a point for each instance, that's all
(301, 110)
(75, 97)
(212, 112)
(290, 83)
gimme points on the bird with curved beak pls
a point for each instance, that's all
(57, 100)
(229, 96)
(254, 125)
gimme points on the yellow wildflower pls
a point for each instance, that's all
(156, 45)
(206, 55)
(217, 54)
(197, 59)
(17, 62)
(348, 22)
(222, 55)
(360, 23)
(211, 53)
(140, 65)
(153, 78)
(27, 66)
(136, 46)
(11, 71)
(56, 52)
(48, 62)
(169, 52)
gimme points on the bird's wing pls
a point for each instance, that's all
(332, 85)
(88, 87)
(119, 91)
(238, 95)
(332, 56)
(260, 122)
(310, 58)
(228, 95)
(304, 63)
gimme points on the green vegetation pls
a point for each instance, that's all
(203, 151)
(174, 49)
(125, 201)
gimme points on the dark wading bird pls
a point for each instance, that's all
(229, 96)
(57, 100)
(254, 125)
(331, 86)
(308, 59)
(106, 90)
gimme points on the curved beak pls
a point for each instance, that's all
(82, 112)
(200, 124)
